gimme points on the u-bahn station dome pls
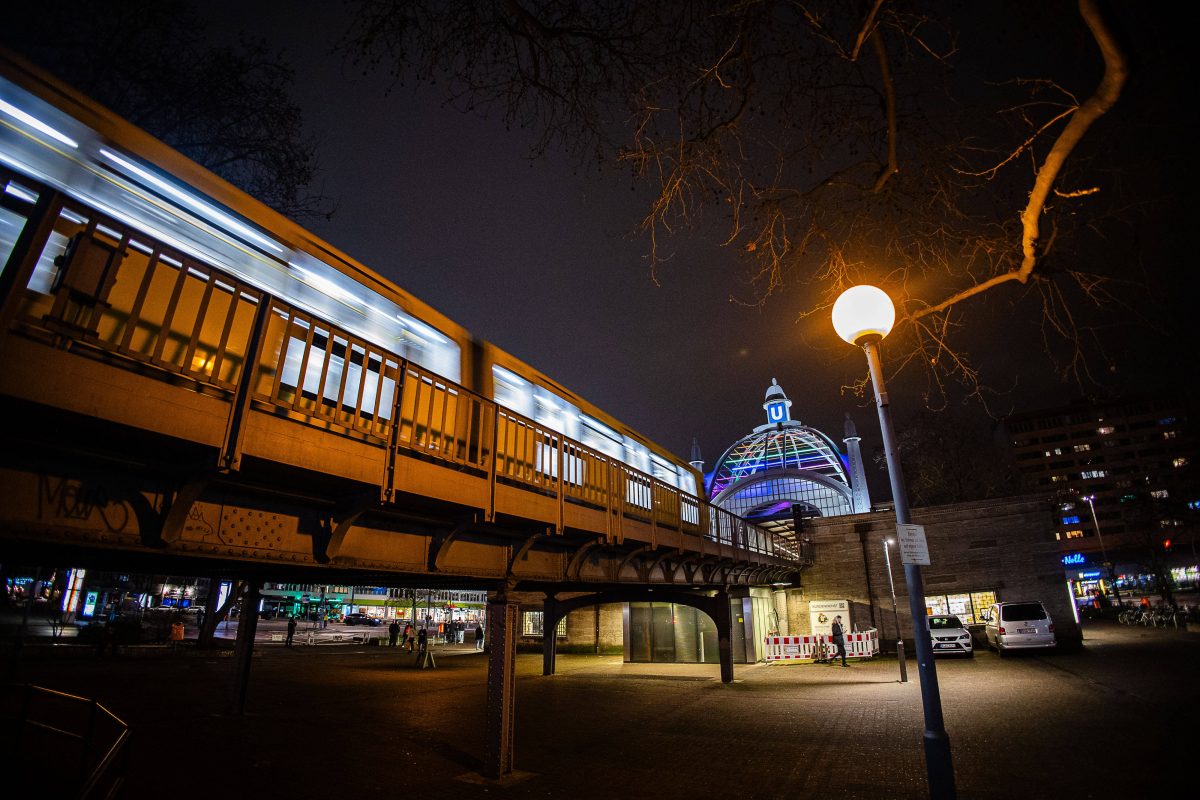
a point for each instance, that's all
(784, 470)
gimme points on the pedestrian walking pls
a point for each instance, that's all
(393, 633)
(291, 630)
(407, 641)
(460, 631)
(839, 639)
(479, 637)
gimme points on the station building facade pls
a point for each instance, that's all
(795, 480)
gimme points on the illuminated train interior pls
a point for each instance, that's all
(52, 137)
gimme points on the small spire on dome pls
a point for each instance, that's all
(777, 404)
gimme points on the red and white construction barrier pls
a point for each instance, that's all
(812, 647)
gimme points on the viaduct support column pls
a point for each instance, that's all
(779, 598)
(724, 622)
(550, 618)
(502, 620)
(243, 651)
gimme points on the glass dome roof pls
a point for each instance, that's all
(781, 464)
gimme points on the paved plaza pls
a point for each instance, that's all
(1116, 720)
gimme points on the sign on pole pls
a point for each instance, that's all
(914, 549)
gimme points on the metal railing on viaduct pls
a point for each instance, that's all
(157, 405)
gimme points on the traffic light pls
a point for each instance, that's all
(1166, 545)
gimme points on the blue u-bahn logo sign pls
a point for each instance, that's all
(1073, 558)
(777, 412)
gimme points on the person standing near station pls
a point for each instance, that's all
(839, 638)
(479, 636)
(407, 641)
(393, 633)
(291, 630)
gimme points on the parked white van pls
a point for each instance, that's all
(1018, 626)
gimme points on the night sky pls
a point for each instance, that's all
(539, 257)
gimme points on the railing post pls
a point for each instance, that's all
(231, 451)
(14, 276)
(608, 496)
(562, 501)
(388, 484)
(490, 511)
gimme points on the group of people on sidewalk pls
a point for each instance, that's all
(407, 637)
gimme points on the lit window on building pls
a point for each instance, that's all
(1068, 506)
(1058, 537)
(968, 607)
(1094, 473)
(1082, 448)
(1046, 454)
(1074, 533)
(1128, 498)
(1167, 421)
(533, 622)
(1160, 494)
(1179, 462)
(1058, 478)
(1170, 434)
(1104, 430)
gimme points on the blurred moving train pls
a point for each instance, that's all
(155, 257)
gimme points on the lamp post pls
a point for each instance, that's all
(887, 556)
(1112, 577)
(862, 316)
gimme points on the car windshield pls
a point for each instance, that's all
(1015, 612)
(942, 623)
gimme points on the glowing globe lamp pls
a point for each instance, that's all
(863, 311)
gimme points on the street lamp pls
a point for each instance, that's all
(887, 556)
(1112, 577)
(863, 315)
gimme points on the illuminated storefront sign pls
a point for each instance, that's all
(89, 603)
(1074, 558)
(74, 585)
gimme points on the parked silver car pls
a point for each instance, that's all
(950, 636)
(1019, 626)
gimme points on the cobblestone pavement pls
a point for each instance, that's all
(1116, 720)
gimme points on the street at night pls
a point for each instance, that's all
(756, 400)
(1112, 721)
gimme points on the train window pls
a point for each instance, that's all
(636, 455)
(37, 300)
(664, 470)
(429, 348)
(687, 482)
(512, 391)
(598, 436)
(12, 219)
(11, 225)
(555, 413)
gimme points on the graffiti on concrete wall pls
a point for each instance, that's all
(65, 499)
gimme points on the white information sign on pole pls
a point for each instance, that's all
(914, 549)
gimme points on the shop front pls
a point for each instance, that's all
(967, 606)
